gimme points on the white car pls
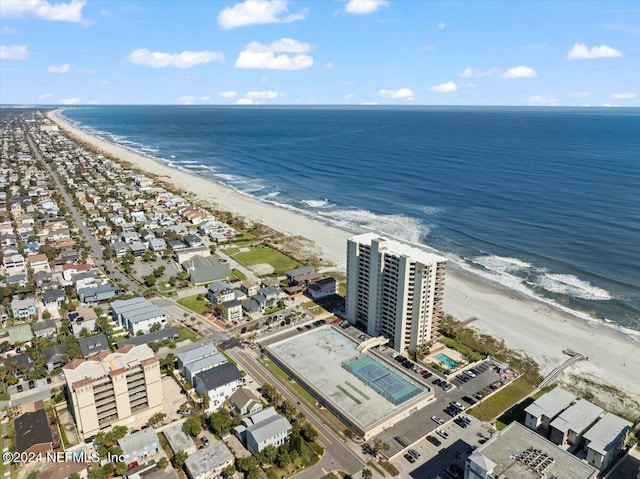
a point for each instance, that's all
(471, 374)
(395, 355)
(437, 420)
(458, 405)
(443, 434)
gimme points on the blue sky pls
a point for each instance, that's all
(320, 52)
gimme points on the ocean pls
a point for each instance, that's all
(545, 201)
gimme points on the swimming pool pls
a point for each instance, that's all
(446, 360)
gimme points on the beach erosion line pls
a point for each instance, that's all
(526, 322)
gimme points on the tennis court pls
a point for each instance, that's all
(384, 381)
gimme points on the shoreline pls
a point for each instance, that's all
(538, 328)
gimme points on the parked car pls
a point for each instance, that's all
(470, 373)
(442, 433)
(204, 441)
(414, 453)
(437, 420)
(410, 458)
(460, 423)
(433, 440)
(458, 405)
(426, 374)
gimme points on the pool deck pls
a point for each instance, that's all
(317, 357)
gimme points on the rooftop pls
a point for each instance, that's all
(136, 309)
(396, 248)
(525, 455)
(138, 440)
(578, 417)
(605, 432)
(269, 427)
(177, 438)
(93, 344)
(32, 428)
(208, 458)
(101, 365)
(551, 404)
(195, 352)
(219, 376)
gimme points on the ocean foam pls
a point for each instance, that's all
(501, 263)
(431, 210)
(317, 203)
(397, 226)
(572, 286)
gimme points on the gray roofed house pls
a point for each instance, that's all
(604, 441)
(262, 429)
(569, 426)
(93, 344)
(244, 401)
(193, 353)
(178, 440)
(209, 462)
(139, 445)
(294, 273)
(202, 364)
(518, 452)
(157, 244)
(544, 409)
(251, 306)
(152, 337)
(33, 434)
(103, 292)
(203, 270)
(53, 297)
(219, 383)
(18, 360)
(54, 356)
(44, 329)
(17, 279)
(137, 314)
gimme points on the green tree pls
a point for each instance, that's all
(156, 419)
(229, 471)
(253, 473)
(162, 463)
(46, 314)
(120, 468)
(283, 459)
(366, 473)
(220, 421)
(308, 432)
(74, 475)
(244, 464)
(192, 426)
(179, 458)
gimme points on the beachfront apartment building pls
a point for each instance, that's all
(113, 388)
(604, 441)
(540, 413)
(394, 290)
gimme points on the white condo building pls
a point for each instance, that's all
(394, 290)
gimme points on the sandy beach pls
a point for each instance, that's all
(533, 327)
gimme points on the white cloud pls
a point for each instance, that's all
(624, 96)
(69, 101)
(399, 94)
(13, 52)
(251, 12)
(582, 52)
(328, 66)
(472, 86)
(246, 101)
(185, 59)
(186, 99)
(362, 7)
(267, 94)
(274, 56)
(470, 72)
(520, 72)
(348, 96)
(441, 26)
(59, 68)
(93, 102)
(7, 31)
(46, 95)
(579, 94)
(63, 12)
(549, 100)
(227, 94)
(448, 87)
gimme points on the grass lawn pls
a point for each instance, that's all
(463, 349)
(502, 400)
(196, 305)
(186, 333)
(237, 274)
(390, 468)
(544, 391)
(264, 254)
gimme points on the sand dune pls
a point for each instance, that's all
(526, 324)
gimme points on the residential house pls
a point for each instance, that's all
(44, 329)
(178, 440)
(53, 298)
(14, 263)
(93, 344)
(17, 280)
(188, 253)
(63, 470)
(218, 383)
(569, 426)
(137, 314)
(244, 402)
(82, 319)
(193, 241)
(136, 447)
(18, 364)
(98, 294)
(33, 434)
(295, 274)
(263, 428)
(23, 308)
(157, 244)
(138, 248)
(209, 462)
(203, 364)
(322, 288)
(160, 335)
(604, 441)
(55, 356)
(546, 408)
(250, 288)
(204, 270)
(218, 292)
(231, 310)
(193, 353)
(38, 262)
